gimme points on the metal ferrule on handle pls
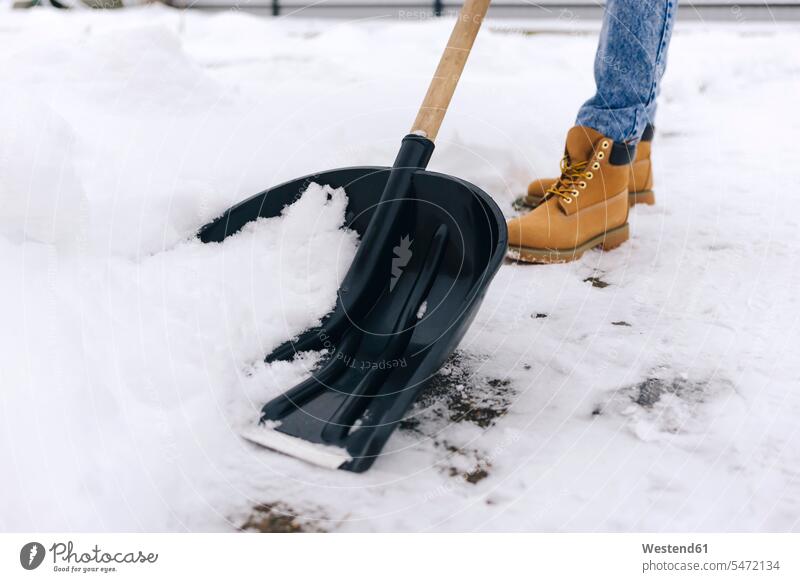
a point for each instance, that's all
(445, 80)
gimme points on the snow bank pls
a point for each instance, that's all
(43, 199)
(125, 389)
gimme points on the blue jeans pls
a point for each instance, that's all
(630, 60)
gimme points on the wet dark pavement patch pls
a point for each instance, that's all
(458, 393)
(649, 392)
(596, 282)
(278, 518)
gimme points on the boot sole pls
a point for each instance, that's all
(607, 241)
(644, 197)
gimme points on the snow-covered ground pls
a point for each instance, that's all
(655, 387)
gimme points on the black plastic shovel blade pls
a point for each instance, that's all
(430, 246)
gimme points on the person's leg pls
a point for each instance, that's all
(630, 61)
(587, 206)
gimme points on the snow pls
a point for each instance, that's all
(36, 156)
(653, 388)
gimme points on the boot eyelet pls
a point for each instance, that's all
(605, 145)
(600, 155)
(567, 200)
(582, 185)
(596, 166)
(575, 193)
(589, 175)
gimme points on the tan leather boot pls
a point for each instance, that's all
(585, 208)
(640, 179)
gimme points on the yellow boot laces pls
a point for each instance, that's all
(573, 176)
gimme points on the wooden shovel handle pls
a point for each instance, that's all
(444, 81)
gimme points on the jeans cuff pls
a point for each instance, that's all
(623, 125)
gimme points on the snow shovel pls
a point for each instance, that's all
(430, 246)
